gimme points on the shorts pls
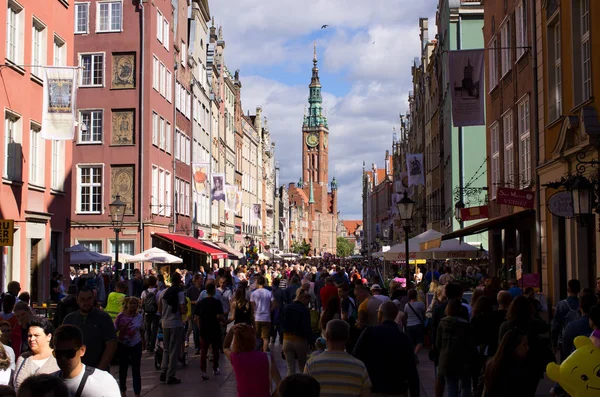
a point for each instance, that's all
(416, 334)
(263, 329)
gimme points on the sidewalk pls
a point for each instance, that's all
(224, 385)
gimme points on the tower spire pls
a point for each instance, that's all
(315, 54)
(315, 115)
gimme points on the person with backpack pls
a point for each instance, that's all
(567, 310)
(81, 380)
(151, 315)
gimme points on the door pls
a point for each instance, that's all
(35, 269)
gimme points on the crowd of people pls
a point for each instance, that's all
(342, 331)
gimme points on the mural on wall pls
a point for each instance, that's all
(121, 183)
(122, 127)
(123, 71)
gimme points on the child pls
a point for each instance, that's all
(595, 325)
(320, 344)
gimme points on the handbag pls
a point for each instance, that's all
(416, 314)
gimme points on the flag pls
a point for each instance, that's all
(414, 165)
(200, 172)
(238, 201)
(58, 111)
(255, 215)
(218, 187)
(230, 196)
(467, 87)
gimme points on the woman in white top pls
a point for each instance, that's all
(6, 373)
(39, 360)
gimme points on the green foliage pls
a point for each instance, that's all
(301, 248)
(344, 248)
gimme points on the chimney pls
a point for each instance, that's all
(424, 25)
(387, 163)
(258, 119)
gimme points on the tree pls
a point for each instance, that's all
(344, 247)
(302, 248)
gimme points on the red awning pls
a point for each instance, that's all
(194, 244)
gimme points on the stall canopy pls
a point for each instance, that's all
(123, 258)
(81, 255)
(193, 244)
(447, 249)
(155, 255)
(233, 254)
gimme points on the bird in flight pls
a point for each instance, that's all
(324, 26)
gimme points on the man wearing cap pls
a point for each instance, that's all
(377, 292)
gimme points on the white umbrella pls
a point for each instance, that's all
(87, 257)
(123, 258)
(155, 255)
(398, 251)
(454, 249)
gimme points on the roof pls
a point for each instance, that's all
(351, 226)
(193, 244)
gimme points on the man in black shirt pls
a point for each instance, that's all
(388, 354)
(209, 317)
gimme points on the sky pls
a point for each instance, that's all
(365, 57)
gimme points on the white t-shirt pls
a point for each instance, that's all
(11, 354)
(98, 384)
(382, 298)
(39, 363)
(262, 298)
(5, 376)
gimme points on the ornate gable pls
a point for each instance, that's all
(577, 130)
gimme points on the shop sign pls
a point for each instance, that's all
(561, 204)
(238, 229)
(7, 230)
(474, 213)
(530, 280)
(515, 197)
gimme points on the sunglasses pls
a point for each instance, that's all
(67, 353)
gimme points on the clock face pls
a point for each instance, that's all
(312, 140)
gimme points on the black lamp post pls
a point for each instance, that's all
(457, 210)
(405, 208)
(117, 213)
(582, 191)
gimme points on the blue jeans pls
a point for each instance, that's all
(452, 383)
(130, 355)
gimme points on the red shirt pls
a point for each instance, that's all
(326, 293)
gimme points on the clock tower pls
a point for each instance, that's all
(315, 134)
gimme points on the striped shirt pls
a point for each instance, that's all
(338, 373)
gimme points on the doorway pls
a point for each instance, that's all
(35, 269)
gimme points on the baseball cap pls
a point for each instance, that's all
(375, 286)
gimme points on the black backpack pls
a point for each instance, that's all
(150, 304)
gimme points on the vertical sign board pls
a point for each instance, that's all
(7, 229)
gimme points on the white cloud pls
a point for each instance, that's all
(280, 32)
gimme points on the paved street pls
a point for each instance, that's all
(224, 384)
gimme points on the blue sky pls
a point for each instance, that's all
(364, 56)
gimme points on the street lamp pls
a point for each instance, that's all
(582, 192)
(405, 208)
(457, 210)
(117, 212)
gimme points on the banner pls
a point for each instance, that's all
(414, 165)
(401, 185)
(255, 215)
(238, 201)
(474, 213)
(230, 195)
(466, 82)
(58, 112)
(515, 197)
(218, 187)
(200, 173)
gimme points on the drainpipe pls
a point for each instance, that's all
(210, 161)
(536, 140)
(141, 121)
(174, 137)
(461, 170)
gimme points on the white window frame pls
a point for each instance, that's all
(155, 73)
(154, 200)
(524, 131)
(89, 244)
(509, 148)
(37, 151)
(495, 174)
(585, 49)
(125, 246)
(155, 128)
(13, 132)
(493, 63)
(159, 26)
(554, 68)
(60, 51)
(112, 6)
(168, 132)
(15, 29)
(93, 186)
(39, 40)
(57, 174)
(166, 34)
(506, 44)
(168, 196)
(183, 54)
(161, 188)
(163, 78)
(92, 69)
(86, 7)
(168, 84)
(521, 27)
(92, 126)
(161, 140)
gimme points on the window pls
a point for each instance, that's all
(159, 26)
(36, 155)
(91, 128)
(58, 163)
(495, 135)
(582, 70)
(14, 32)
(509, 152)
(554, 71)
(166, 33)
(81, 18)
(92, 245)
(155, 73)
(12, 146)
(161, 190)
(521, 27)
(90, 189)
(168, 84)
(109, 17)
(505, 52)
(168, 138)
(493, 63)
(155, 121)
(163, 78)
(60, 51)
(177, 95)
(125, 247)
(93, 70)
(154, 204)
(167, 193)
(161, 142)
(183, 54)
(38, 47)
(524, 143)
